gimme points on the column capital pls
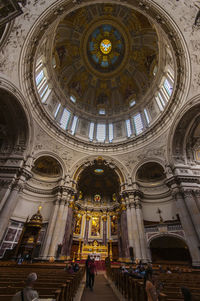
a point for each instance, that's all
(197, 192)
(56, 202)
(67, 189)
(138, 204)
(123, 207)
(138, 194)
(6, 183)
(187, 191)
(62, 201)
(25, 174)
(19, 186)
(133, 193)
(104, 218)
(132, 204)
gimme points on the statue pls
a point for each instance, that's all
(80, 197)
(77, 229)
(114, 225)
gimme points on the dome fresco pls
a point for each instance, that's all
(111, 74)
(88, 73)
(105, 48)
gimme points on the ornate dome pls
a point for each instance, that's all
(106, 73)
(105, 55)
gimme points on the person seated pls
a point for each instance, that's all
(142, 271)
(186, 293)
(131, 270)
(66, 268)
(71, 268)
(168, 271)
(76, 267)
(124, 270)
(160, 269)
(28, 293)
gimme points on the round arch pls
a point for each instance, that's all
(169, 248)
(120, 169)
(55, 157)
(16, 120)
(180, 129)
(141, 163)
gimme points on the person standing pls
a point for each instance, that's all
(92, 270)
(28, 293)
(87, 270)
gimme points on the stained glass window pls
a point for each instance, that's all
(128, 127)
(138, 124)
(111, 134)
(159, 103)
(74, 123)
(73, 98)
(65, 119)
(168, 87)
(57, 110)
(146, 116)
(39, 77)
(91, 131)
(101, 132)
(132, 103)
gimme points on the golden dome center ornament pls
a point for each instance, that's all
(106, 46)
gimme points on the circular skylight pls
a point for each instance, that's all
(105, 48)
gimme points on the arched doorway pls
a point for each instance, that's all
(169, 248)
(96, 214)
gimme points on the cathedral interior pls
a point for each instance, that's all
(104, 156)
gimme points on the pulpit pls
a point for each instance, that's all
(28, 241)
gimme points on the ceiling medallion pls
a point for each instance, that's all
(105, 48)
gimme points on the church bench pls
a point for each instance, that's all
(14, 278)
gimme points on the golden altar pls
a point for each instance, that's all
(94, 248)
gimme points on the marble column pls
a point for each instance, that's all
(11, 201)
(5, 190)
(197, 197)
(188, 227)
(124, 234)
(142, 237)
(63, 222)
(68, 232)
(50, 229)
(193, 210)
(134, 229)
(129, 226)
(119, 238)
(104, 230)
(86, 229)
(66, 196)
(56, 232)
